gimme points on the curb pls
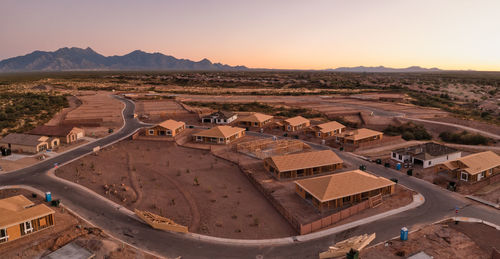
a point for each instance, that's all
(32, 189)
(483, 201)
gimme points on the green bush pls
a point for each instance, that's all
(465, 138)
(408, 131)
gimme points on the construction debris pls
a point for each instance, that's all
(264, 148)
(343, 247)
(159, 222)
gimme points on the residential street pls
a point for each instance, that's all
(439, 204)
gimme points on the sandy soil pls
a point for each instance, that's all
(160, 110)
(470, 123)
(8, 165)
(161, 177)
(67, 228)
(98, 112)
(447, 240)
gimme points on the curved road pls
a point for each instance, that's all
(439, 203)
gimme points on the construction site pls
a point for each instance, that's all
(264, 148)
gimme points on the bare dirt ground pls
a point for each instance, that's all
(98, 112)
(67, 228)
(8, 165)
(445, 240)
(160, 110)
(470, 123)
(490, 193)
(194, 188)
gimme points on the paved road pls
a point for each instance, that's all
(439, 204)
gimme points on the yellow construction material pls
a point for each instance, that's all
(343, 247)
(159, 222)
(264, 148)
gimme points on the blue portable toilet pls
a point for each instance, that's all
(48, 197)
(404, 234)
(398, 166)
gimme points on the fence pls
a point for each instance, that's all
(333, 218)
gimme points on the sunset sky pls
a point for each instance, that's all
(449, 34)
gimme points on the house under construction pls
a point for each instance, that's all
(264, 148)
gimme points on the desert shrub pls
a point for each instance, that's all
(465, 138)
(408, 131)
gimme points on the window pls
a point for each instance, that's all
(394, 155)
(346, 199)
(289, 127)
(256, 124)
(430, 162)
(319, 134)
(198, 138)
(27, 227)
(221, 140)
(169, 132)
(464, 176)
(3, 235)
(151, 132)
(400, 157)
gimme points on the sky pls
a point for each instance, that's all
(288, 34)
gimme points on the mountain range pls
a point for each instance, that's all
(70, 59)
(73, 59)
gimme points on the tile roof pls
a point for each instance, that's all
(362, 133)
(330, 126)
(23, 139)
(335, 186)
(297, 120)
(475, 163)
(58, 131)
(304, 160)
(220, 132)
(171, 124)
(257, 117)
(17, 209)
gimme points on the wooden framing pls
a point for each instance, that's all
(264, 148)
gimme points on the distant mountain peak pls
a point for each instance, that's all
(66, 59)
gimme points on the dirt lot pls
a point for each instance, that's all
(446, 240)
(192, 187)
(98, 112)
(160, 110)
(67, 228)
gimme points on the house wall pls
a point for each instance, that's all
(346, 200)
(301, 172)
(254, 124)
(296, 127)
(155, 131)
(210, 140)
(441, 159)
(55, 143)
(15, 232)
(27, 149)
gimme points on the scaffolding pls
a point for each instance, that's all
(264, 148)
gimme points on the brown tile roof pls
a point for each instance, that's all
(17, 209)
(171, 124)
(335, 186)
(330, 126)
(304, 160)
(475, 163)
(220, 132)
(257, 117)
(23, 139)
(297, 120)
(358, 134)
(58, 131)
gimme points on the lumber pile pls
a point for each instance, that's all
(159, 222)
(341, 248)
